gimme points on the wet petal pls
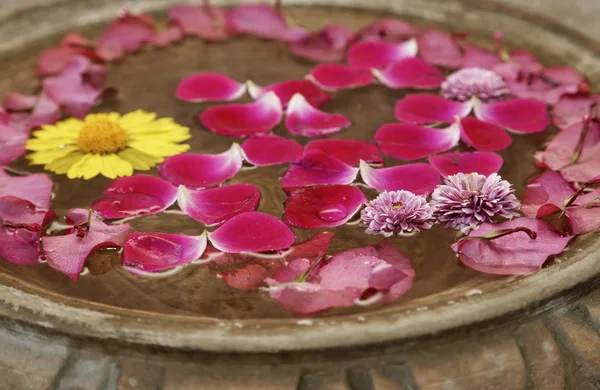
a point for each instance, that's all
(199, 20)
(287, 89)
(483, 136)
(303, 119)
(322, 206)
(127, 34)
(405, 141)
(217, 205)
(260, 20)
(265, 149)
(418, 178)
(327, 44)
(583, 219)
(35, 188)
(209, 86)
(423, 108)
(315, 168)
(199, 171)
(12, 144)
(484, 163)
(335, 77)
(440, 48)
(545, 194)
(410, 73)
(349, 151)
(571, 109)
(242, 120)
(368, 55)
(252, 232)
(518, 115)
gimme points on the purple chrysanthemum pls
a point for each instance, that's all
(395, 212)
(484, 84)
(467, 200)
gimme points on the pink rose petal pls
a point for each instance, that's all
(484, 163)
(316, 168)
(545, 194)
(12, 144)
(199, 171)
(153, 252)
(583, 219)
(287, 89)
(349, 151)
(199, 20)
(45, 112)
(571, 109)
(335, 77)
(368, 55)
(209, 86)
(260, 20)
(518, 115)
(440, 48)
(162, 38)
(242, 120)
(18, 102)
(266, 149)
(327, 44)
(476, 57)
(303, 119)
(406, 141)
(53, 61)
(217, 205)
(418, 178)
(410, 73)
(35, 188)
(252, 232)
(423, 108)
(126, 34)
(387, 29)
(322, 206)
(134, 196)
(483, 136)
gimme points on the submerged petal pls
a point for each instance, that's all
(484, 163)
(417, 178)
(423, 108)
(405, 141)
(315, 168)
(209, 86)
(287, 89)
(335, 77)
(483, 136)
(303, 119)
(349, 151)
(368, 55)
(410, 73)
(518, 115)
(267, 149)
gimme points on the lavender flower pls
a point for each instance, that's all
(484, 84)
(467, 200)
(395, 212)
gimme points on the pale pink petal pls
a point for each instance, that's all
(217, 205)
(18, 102)
(440, 48)
(209, 86)
(564, 75)
(476, 57)
(328, 44)
(545, 194)
(349, 151)
(387, 29)
(167, 36)
(126, 34)
(252, 232)
(260, 20)
(410, 73)
(199, 20)
(526, 61)
(53, 61)
(406, 141)
(418, 178)
(315, 168)
(518, 115)
(484, 163)
(35, 188)
(483, 136)
(287, 89)
(368, 55)
(12, 144)
(199, 171)
(303, 119)
(335, 77)
(45, 112)
(583, 219)
(322, 206)
(539, 89)
(242, 120)
(423, 108)
(571, 109)
(266, 149)
(153, 252)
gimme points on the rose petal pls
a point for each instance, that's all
(260, 20)
(583, 219)
(367, 55)
(483, 136)
(440, 48)
(199, 20)
(209, 86)
(349, 151)
(242, 120)
(571, 109)
(217, 205)
(153, 252)
(545, 194)
(476, 57)
(423, 108)
(327, 44)
(518, 115)
(410, 73)
(539, 89)
(167, 36)
(405, 141)
(484, 163)
(35, 188)
(12, 144)
(387, 29)
(265, 149)
(126, 34)
(526, 61)
(303, 119)
(18, 102)
(199, 171)
(53, 61)
(252, 232)
(315, 168)
(418, 178)
(45, 112)
(287, 89)
(335, 77)
(322, 206)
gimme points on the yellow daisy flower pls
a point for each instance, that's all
(106, 144)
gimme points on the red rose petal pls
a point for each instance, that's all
(387, 29)
(423, 108)
(322, 206)
(368, 55)
(349, 151)
(410, 73)
(199, 171)
(418, 178)
(287, 89)
(440, 48)
(262, 21)
(484, 163)
(315, 168)
(209, 86)
(303, 119)
(335, 77)
(328, 44)
(242, 120)
(35, 188)
(518, 115)
(199, 20)
(217, 205)
(545, 194)
(126, 34)
(265, 149)
(483, 136)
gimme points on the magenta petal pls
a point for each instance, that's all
(242, 120)
(199, 20)
(252, 232)
(368, 55)
(349, 151)
(423, 108)
(335, 77)
(265, 149)
(315, 168)
(518, 115)
(323, 206)
(287, 89)
(126, 34)
(545, 194)
(199, 171)
(35, 188)
(134, 196)
(217, 205)
(209, 86)
(410, 73)
(328, 44)
(440, 48)
(405, 141)
(513, 254)
(483, 136)
(418, 178)
(484, 163)
(303, 119)
(153, 252)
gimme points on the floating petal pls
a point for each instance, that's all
(328, 44)
(571, 109)
(349, 151)
(199, 20)
(127, 34)
(266, 149)
(417, 178)
(262, 21)
(35, 188)
(410, 73)
(335, 77)
(484, 163)
(440, 48)
(287, 89)
(209, 86)
(368, 55)
(315, 168)
(518, 115)
(423, 108)
(545, 194)
(303, 119)
(406, 141)
(483, 136)
(387, 29)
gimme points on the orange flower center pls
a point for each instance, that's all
(102, 135)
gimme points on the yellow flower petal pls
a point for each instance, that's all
(161, 136)
(136, 118)
(139, 160)
(36, 144)
(113, 166)
(87, 167)
(46, 156)
(157, 148)
(113, 117)
(62, 165)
